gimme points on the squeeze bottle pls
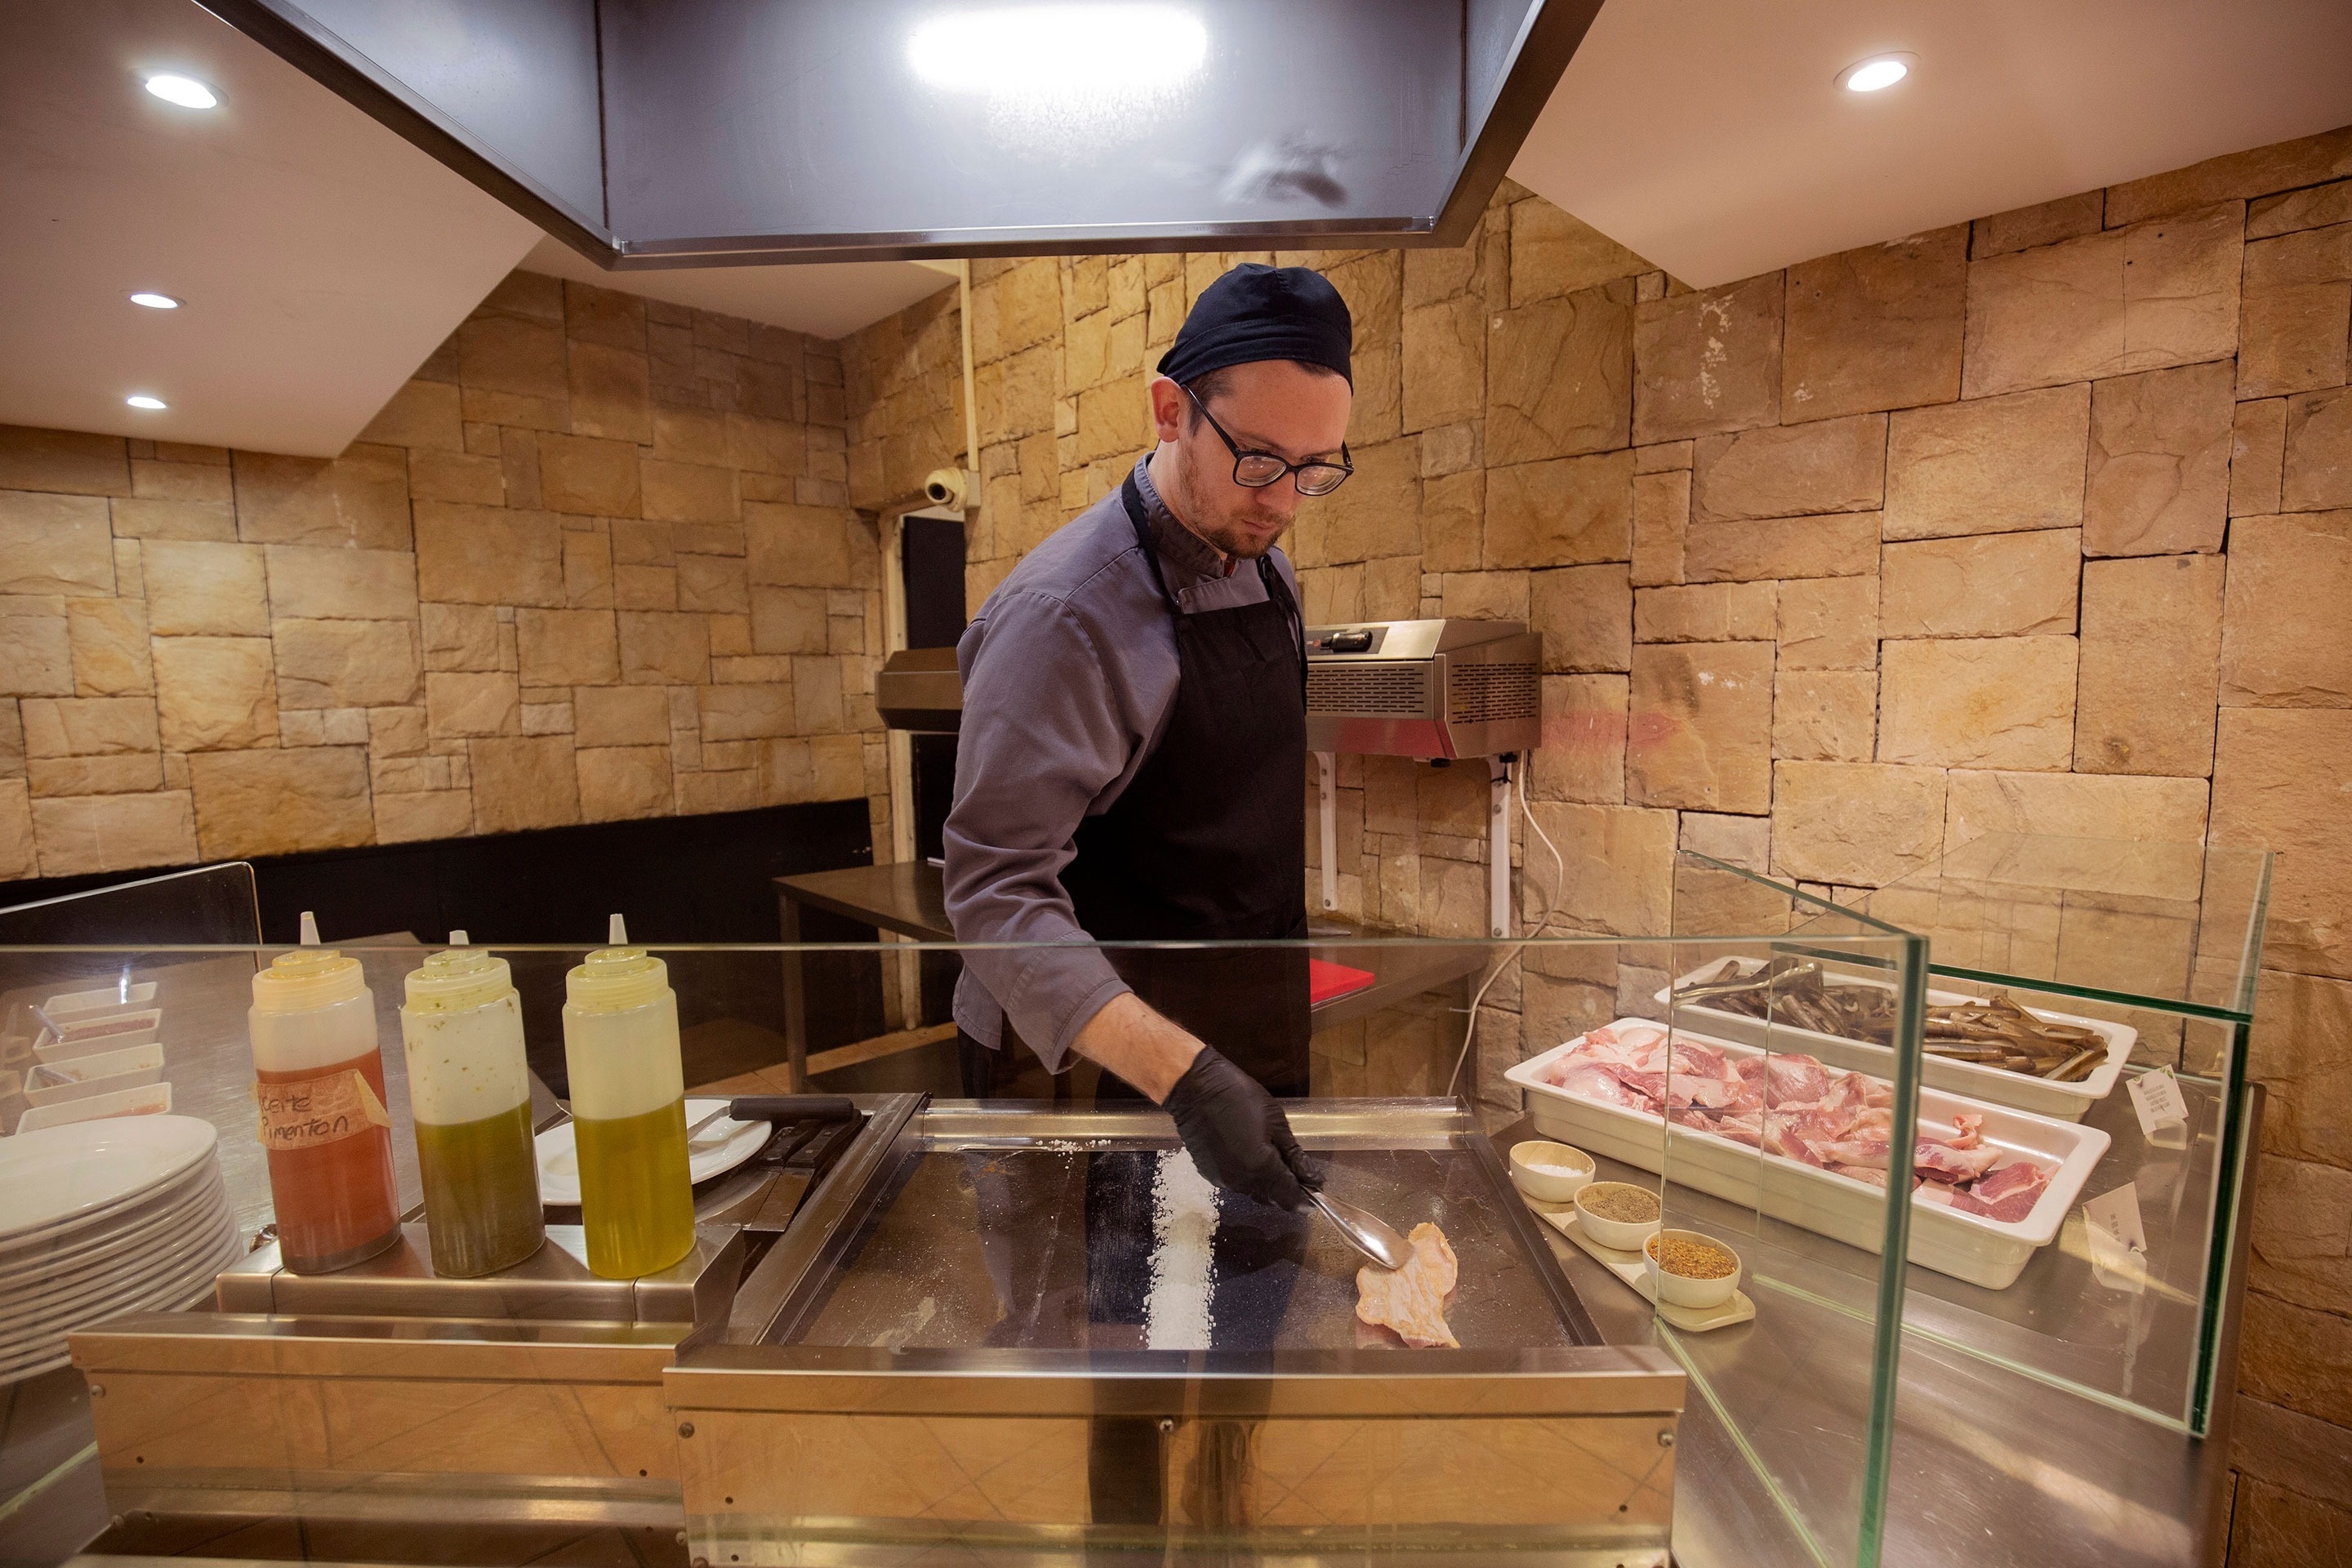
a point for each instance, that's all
(628, 1111)
(469, 1087)
(320, 1089)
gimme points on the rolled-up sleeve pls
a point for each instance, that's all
(1046, 729)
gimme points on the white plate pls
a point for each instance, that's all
(190, 1262)
(1987, 1252)
(191, 1291)
(153, 1099)
(198, 1186)
(131, 1276)
(715, 1151)
(75, 1173)
(2066, 1101)
(77, 1257)
(167, 1231)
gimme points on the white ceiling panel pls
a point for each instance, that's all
(1710, 136)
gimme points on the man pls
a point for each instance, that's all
(1134, 739)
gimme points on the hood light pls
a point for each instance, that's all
(184, 91)
(1876, 74)
(141, 400)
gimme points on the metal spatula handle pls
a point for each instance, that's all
(1368, 1235)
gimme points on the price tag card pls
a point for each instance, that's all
(2118, 1241)
(2163, 1112)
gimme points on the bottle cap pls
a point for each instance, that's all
(306, 978)
(616, 979)
(453, 981)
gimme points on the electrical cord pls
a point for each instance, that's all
(1515, 775)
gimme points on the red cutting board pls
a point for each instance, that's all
(1326, 981)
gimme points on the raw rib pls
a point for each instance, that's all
(1795, 1107)
(1412, 1299)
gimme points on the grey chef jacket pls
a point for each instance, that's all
(1069, 674)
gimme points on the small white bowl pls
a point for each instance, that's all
(1550, 1173)
(114, 1032)
(1619, 1235)
(153, 1099)
(1680, 1289)
(83, 1078)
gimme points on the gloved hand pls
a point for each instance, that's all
(1238, 1136)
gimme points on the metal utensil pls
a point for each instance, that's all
(707, 1120)
(1365, 1233)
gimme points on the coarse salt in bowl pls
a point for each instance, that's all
(1550, 1173)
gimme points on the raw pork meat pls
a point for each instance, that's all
(1794, 1107)
(1412, 1299)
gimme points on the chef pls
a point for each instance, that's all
(1134, 741)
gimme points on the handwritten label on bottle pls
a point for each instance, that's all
(310, 1113)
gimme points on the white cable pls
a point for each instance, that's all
(1515, 773)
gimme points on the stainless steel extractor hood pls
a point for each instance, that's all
(654, 133)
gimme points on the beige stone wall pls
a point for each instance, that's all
(2041, 522)
(595, 561)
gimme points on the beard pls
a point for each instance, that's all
(1245, 533)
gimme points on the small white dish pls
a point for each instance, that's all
(97, 1035)
(153, 1100)
(1624, 1236)
(715, 1151)
(54, 1084)
(1681, 1290)
(1550, 1173)
(93, 1003)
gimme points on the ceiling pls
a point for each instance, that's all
(1710, 137)
(323, 258)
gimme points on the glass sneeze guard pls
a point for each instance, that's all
(1804, 1365)
(2155, 947)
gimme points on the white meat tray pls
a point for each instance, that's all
(2066, 1101)
(1967, 1246)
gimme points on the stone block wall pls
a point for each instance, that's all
(2038, 522)
(595, 561)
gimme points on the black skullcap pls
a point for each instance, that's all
(1255, 312)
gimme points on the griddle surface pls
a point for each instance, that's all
(1066, 1249)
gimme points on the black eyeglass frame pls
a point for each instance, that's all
(1346, 465)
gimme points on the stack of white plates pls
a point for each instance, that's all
(102, 1218)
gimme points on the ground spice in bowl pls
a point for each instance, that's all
(1691, 1259)
(1630, 1205)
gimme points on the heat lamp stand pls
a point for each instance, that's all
(1331, 834)
(1498, 845)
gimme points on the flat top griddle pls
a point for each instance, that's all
(1015, 1227)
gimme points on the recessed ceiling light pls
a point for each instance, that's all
(1877, 73)
(141, 400)
(156, 301)
(184, 91)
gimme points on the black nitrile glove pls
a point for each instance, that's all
(1238, 1136)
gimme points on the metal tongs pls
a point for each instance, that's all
(1367, 1233)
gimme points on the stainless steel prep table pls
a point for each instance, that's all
(908, 899)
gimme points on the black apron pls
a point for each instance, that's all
(1208, 843)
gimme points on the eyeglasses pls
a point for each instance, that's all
(1255, 470)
